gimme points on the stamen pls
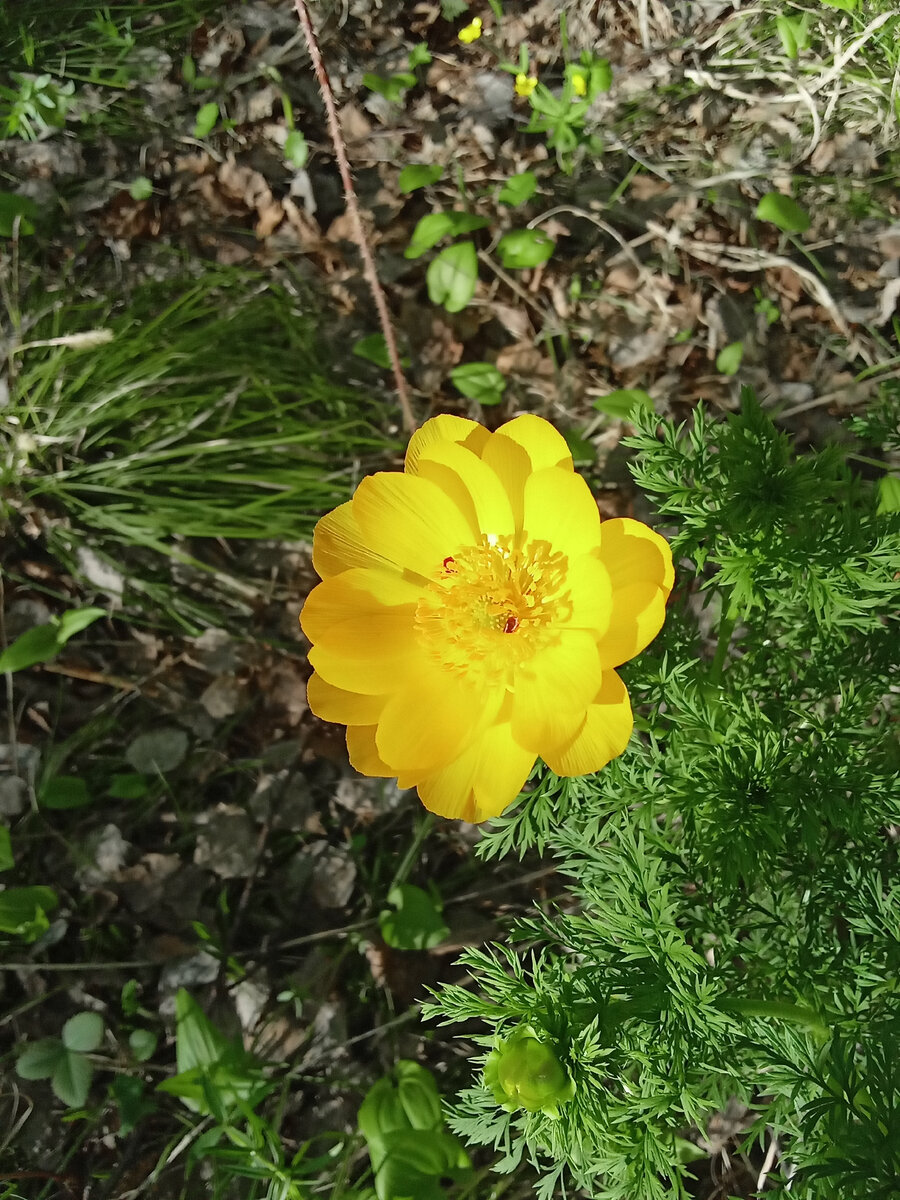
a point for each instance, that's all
(512, 624)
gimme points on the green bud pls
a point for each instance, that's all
(523, 1072)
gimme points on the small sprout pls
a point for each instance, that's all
(729, 358)
(471, 32)
(525, 84)
(784, 212)
(524, 1072)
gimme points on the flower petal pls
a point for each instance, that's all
(344, 708)
(472, 486)
(510, 463)
(445, 428)
(482, 781)
(588, 592)
(339, 545)
(409, 521)
(545, 445)
(604, 734)
(639, 562)
(553, 689)
(361, 624)
(560, 509)
(431, 719)
(363, 753)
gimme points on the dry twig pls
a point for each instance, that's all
(340, 153)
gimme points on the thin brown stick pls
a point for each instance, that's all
(340, 153)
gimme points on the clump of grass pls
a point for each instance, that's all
(212, 415)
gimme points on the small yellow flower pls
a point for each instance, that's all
(579, 83)
(472, 31)
(472, 613)
(525, 84)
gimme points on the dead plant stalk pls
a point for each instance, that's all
(340, 153)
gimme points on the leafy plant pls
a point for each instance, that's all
(414, 922)
(479, 381)
(43, 642)
(64, 1061)
(37, 104)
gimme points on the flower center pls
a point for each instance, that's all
(491, 606)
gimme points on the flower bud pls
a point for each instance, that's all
(523, 1072)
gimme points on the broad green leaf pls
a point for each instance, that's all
(142, 1043)
(128, 787)
(793, 32)
(295, 149)
(71, 1081)
(518, 189)
(40, 1059)
(415, 922)
(583, 451)
(6, 854)
(12, 206)
(783, 212)
(521, 248)
(157, 750)
(419, 175)
(23, 911)
(452, 276)
(63, 792)
(392, 87)
(197, 1041)
(35, 645)
(729, 358)
(889, 494)
(83, 1032)
(75, 619)
(479, 381)
(206, 119)
(416, 1161)
(622, 403)
(430, 229)
(128, 1092)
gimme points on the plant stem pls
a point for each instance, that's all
(340, 153)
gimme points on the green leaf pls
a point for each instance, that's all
(415, 1161)
(188, 70)
(6, 854)
(416, 922)
(452, 276)
(521, 248)
(71, 1081)
(419, 56)
(157, 750)
(419, 175)
(197, 1041)
(64, 792)
(622, 403)
(75, 619)
(889, 494)
(847, 6)
(140, 188)
(23, 911)
(583, 451)
(206, 119)
(128, 787)
(296, 149)
(35, 645)
(83, 1032)
(374, 349)
(430, 229)
(143, 1044)
(783, 212)
(133, 1105)
(392, 87)
(12, 206)
(794, 33)
(40, 1059)
(729, 358)
(479, 381)
(518, 189)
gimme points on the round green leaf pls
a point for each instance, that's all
(518, 189)
(479, 381)
(416, 922)
(71, 1080)
(83, 1032)
(206, 119)
(142, 1043)
(521, 248)
(889, 494)
(64, 791)
(783, 212)
(452, 276)
(622, 403)
(729, 358)
(296, 149)
(12, 206)
(39, 1059)
(157, 750)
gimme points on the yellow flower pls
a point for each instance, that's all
(471, 613)
(471, 32)
(579, 83)
(525, 84)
